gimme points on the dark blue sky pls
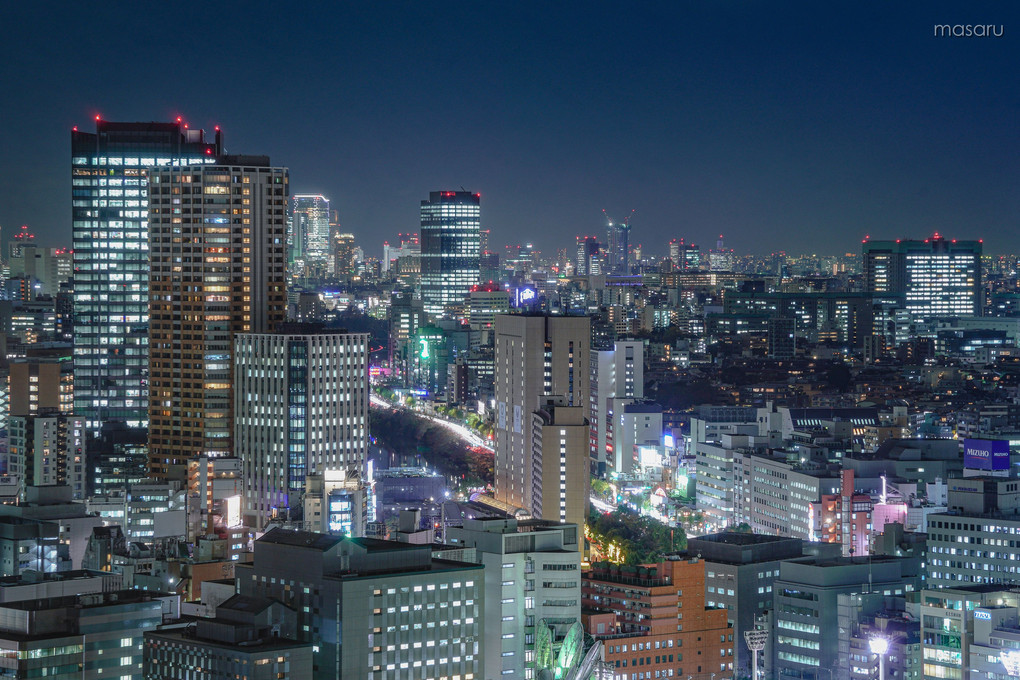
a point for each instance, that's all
(796, 126)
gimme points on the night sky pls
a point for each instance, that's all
(795, 126)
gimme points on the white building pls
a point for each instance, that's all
(533, 569)
(301, 407)
(618, 375)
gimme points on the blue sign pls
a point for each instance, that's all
(986, 454)
(984, 616)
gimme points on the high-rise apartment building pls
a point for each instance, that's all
(109, 177)
(301, 408)
(933, 277)
(561, 490)
(344, 261)
(450, 247)
(218, 268)
(42, 380)
(534, 356)
(309, 238)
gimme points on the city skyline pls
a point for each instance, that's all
(813, 127)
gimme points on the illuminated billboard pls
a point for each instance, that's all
(233, 513)
(986, 454)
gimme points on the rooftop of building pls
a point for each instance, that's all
(835, 562)
(83, 601)
(32, 577)
(742, 538)
(187, 636)
(378, 545)
(301, 539)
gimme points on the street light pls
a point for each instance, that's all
(879, 646)
(1010, 658)
(755, 640)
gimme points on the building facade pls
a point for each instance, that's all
(301, 408)
(218, 268)
(933, 277)
(450, 247)
(534, 356)
(533, 569)
(110, 193)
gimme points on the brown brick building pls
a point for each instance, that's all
(653, 621)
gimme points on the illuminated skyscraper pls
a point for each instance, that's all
(309, 238)
(217, 269)
(933, 277)
(111, 259)
(618, 246)
(301, 408)
(345, 265)
(587, 248)
(450, 248)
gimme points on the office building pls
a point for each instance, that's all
(957, 628)
(776, 496)
(618, 379)
(81, 636)
(534, 356)
(217, 270)
(617, 248)
(336, 502)
(28, 544)
(309, 238)
(985, 513)
(720, 258)
(933, 277)
(301, 408)
(118, 458)
(740, 570)
(145, 511)
(450, 223)
(406, 316)
(653, 620)
(109, 198)
(43, 268)
(249, 637)
(533, 568)
(587, 248)
(57, 505)
(806, 606)
(373, 609)
(485, 302)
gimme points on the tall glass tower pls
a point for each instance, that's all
(450, 247)
(109, 194)
(618, 245)
(310, 214)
